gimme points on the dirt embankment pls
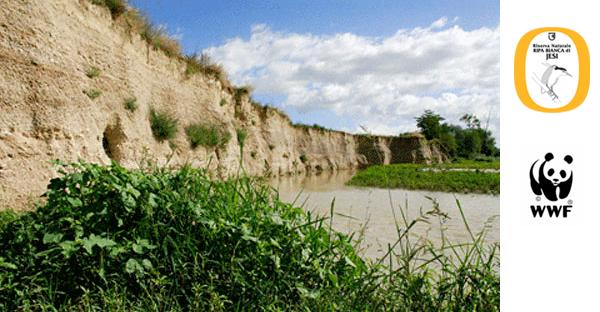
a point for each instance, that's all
(52, 107)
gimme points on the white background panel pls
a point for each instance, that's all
(549, 264)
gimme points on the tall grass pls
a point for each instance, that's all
(111, 239)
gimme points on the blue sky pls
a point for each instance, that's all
(281, 47)
(209, 23)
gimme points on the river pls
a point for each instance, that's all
(357, 208)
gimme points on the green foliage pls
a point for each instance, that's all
(469, 179)
(164, 127)
(131, 104)
(242, 134)
(456, 141)
(303, 158)
(93, 72)
(482, 163)
(92, 93)
(210, 136)
(471, 121)
(470, 145)
(223, 102)
(116, 7)
(430, 124)
(110, 239)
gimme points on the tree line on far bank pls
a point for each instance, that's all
(471, 141)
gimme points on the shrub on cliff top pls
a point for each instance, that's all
(210, 136)
(157, 37)
(163, 125)
(116, 7)
(205, 65)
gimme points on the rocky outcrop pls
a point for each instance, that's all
(50, 109)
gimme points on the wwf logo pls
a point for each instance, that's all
(552, 177)
(551, 36)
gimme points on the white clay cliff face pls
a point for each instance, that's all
(46, 47)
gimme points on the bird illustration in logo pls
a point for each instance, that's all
(550, 78)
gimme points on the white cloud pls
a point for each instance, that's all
(381, 83)
(439, 23)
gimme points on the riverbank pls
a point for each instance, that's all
(460, 177)
(113, 239)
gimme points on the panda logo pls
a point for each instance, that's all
(552, 177)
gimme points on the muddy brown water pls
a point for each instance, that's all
(367, 208)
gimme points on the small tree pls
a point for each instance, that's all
(471, 121)
(429, 124)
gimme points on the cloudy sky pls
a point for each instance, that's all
(345, 63)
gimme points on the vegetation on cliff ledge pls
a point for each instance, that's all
(206, 135)
(110, 239)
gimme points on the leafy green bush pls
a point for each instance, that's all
(131, 104)
(110, 239)
(174, 239)
(211, 136)
(164, 127)
(303, 158)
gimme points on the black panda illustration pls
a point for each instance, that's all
(554, 177)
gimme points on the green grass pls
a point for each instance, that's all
(463, 163)
(92, 93)
(111, 239)
(163, 125)
(206, 135)
(411, 176)
(131, 104)
(93, 72)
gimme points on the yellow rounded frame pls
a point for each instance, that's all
(583, 55)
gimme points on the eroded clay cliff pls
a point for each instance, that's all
(46, 111)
